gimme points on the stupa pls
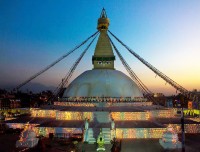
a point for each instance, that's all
(103, 80)
(102, 85)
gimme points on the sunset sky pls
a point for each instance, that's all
(166, 33)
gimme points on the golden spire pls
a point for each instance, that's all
(103, 21)
(103, 56)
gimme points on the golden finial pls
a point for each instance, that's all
(103, 21)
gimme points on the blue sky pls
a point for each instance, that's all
(166, 33)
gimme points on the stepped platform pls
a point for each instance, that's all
(132, 122)
(65, 123)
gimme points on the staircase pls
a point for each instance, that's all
(107, 135)
(92, 135)
(91, 139)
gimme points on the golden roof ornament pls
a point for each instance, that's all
(103, 21)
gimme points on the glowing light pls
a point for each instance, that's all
(43, 113)
(130, 116)
(189, 128)
(139, 132)
(73, 115)
(163, 113)
(107, 103)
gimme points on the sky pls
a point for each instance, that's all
(165, 33)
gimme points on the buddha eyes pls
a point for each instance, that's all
(104, 62)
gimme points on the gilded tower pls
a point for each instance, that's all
(103, 56)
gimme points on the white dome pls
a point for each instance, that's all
(102, 83)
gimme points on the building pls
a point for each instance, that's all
(7, 103)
